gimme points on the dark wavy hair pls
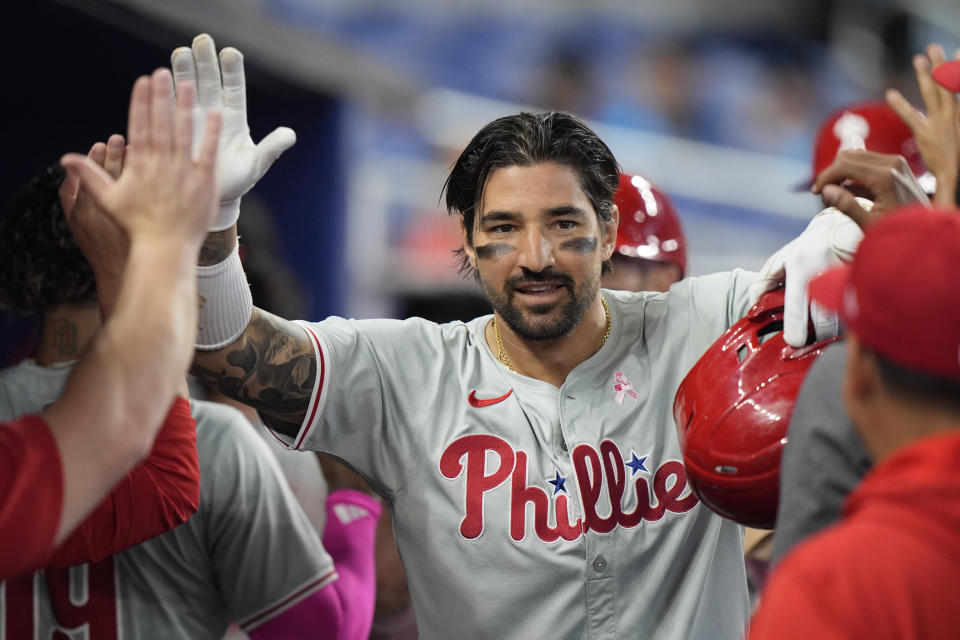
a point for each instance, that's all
(527, 139)
(41, 265)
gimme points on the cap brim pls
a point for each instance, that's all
(827, 288)
(948, 75)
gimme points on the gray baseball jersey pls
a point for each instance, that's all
(303, 475)
(248, 553)
(526, 511)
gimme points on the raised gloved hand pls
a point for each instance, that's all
(829, 238)
(221, 85)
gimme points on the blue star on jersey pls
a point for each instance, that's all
(558, 484)
(636, 463)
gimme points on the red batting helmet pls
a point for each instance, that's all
(873, 126)
(732, 412)
(649, 224)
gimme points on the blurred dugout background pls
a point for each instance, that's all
(716, 101)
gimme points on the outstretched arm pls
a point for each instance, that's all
(164, 490)
(245, 353)
(112, 406)
(270, 366)
(163, 200)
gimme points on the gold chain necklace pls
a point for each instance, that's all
(505, 359)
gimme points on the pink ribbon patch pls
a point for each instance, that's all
(624, 388)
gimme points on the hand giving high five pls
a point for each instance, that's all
(162, 193)
(221, 85)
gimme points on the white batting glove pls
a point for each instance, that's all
(240, 162)
(829, 238)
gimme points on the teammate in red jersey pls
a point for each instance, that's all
(891, 152)
(249, 555)
(888, 569)
(67, 458)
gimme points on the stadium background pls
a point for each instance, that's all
(715, 101)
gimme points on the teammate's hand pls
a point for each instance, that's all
(938, 132)
(221, 85)
(829, 238)
(163, 194)
(103, 242)
(887, 179)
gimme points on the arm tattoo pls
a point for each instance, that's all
(271, 367)
(218, 246)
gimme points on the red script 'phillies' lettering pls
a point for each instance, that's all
(599, 474)
(587, 464)
(475, 449)
(521, 494)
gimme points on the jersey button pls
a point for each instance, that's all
(599, 564)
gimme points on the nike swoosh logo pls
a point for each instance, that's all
(485, 402)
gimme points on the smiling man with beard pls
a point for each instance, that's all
(529, 457)
(538, 249)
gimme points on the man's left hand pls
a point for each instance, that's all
(829, 238)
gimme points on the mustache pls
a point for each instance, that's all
(537, 277)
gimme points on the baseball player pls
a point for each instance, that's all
(529, 456)
(651, 251)
(891, 150)
(888, 569)
(58, 465)
(248, 555)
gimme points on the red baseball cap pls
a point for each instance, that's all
(873, 126)
(901, 295)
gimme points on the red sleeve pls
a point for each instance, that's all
(31, 481)
(159, 494)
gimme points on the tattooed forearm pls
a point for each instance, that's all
(271, 367)
(218, 246)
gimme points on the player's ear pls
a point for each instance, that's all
(467, 242)
(608, 232)
(860, 379)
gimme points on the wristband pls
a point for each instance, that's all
(225, 303)
(227, 215)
